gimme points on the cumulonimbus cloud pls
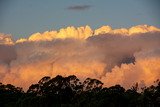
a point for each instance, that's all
(115, 56)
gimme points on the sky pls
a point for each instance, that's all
(22, 18)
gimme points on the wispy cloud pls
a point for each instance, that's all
(79, 7)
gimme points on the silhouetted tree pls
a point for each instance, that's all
(70, 92)
(92, 84)
(9, 95)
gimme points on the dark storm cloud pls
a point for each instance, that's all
(79, 7)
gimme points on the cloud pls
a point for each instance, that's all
(7, 53)
(79, 7)
(86, 32)
(112, 55)
(7, 49)
(5, 39)
(146, 70)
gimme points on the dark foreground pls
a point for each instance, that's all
(70, 92)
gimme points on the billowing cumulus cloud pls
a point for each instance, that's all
(5, 39)
(7, 50)
(146, 70)
(115, 56)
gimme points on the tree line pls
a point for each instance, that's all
(71, 92)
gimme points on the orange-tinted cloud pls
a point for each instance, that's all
(115, 58)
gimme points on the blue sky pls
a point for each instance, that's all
(24, 17)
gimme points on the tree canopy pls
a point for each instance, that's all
(71, 92)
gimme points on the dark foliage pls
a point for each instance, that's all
(71, 92)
